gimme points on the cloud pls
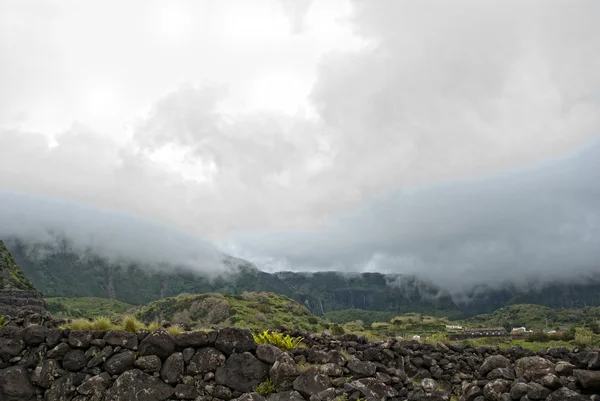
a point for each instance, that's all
(533, 225)
(435, 92)
(115, 236)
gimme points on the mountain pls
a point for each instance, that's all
(60, 271)
(16, 290)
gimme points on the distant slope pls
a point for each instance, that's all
(327, 291)
(259, 311)
(86, 307)
(535, 317)
(59, 271)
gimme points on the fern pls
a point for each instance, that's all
(281, 341)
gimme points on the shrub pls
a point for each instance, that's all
(538, 337)
(131, 324)
(438, 337)
(312, 320)
(265, 388)
(155, 325)
(337, 330)
(79, 324)
(102, 323)
(281, 341)
(174, 330)
(584, 337)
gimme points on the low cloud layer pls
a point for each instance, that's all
(537, 225)
(115, 236)
(414, 96)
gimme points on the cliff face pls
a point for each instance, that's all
(17, 293)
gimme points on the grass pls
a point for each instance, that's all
(174, 330)
(132, 324)
(87, 307)
(102, 323)
(2, 321)
(265, 388)
(281, 341)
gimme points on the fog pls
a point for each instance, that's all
(451, 139)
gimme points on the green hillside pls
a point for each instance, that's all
(535, 317)
(59, 271)
(86, 307)
(259, 311)
(11, 276)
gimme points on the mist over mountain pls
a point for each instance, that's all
(59, 270)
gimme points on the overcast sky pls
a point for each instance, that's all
(437, 137)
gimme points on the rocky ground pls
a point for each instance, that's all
(42, 362)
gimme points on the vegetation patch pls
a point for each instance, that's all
(89, 307)
(285, 342)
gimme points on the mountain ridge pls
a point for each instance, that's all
(61, 271)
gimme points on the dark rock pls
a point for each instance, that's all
(286, 396)
(186, 392)
(172, 369)
(100, 357)
(59, 351)
(222, 392)
(205, 360)
(11, 342)
(119, 363)
(149, 363)
(564, 368)
(123, 339)
(331, 369)
(594, 360)
(551, 381)
(137, 385)
(494, 362)
(536, 391)
(251, 397)
(43, 374)
(158, 343)
(374, 390)
(53, 336)
(267, 353)
(589, 379)
(518, 390)
(15, 385)
(361, 369)
(495, 388)
(80, 338)
(308, 384)
(95, 386)
(471, 392)
(74, 360)
(242, 372)
(565, 394)
(533, 367)
(231, 340)
(34, 334)
(62, 389)
(284, 371)
(502, 373)
(188, 354)
(194, 339)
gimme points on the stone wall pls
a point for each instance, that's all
(42, 362)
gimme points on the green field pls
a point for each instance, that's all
(87, 307)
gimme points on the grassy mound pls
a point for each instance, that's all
(251, 310)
